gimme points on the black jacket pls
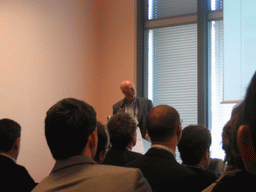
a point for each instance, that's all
(164, 173)
(14, 177)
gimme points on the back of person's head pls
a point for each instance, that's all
(246, 136)
(250, 107)
(103, 142)
(68, 125)
(229, 137)
(194, 142)
(161, 123)
(122, 129)
(9, 132)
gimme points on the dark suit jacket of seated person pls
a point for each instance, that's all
(13, 176)
(122, 130)
(194, 148)
(138, 107)
(71, 134)
(159, 165)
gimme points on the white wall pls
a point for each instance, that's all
(50, 50)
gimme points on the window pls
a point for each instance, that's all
(183, 58)
(230, 70)
(173, 71)
(172, 56)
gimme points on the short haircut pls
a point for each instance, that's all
(68, 125)
(250, 107)
(9, 132)
(194, 142)
(103, 139)
(121, 128)
(162, 121)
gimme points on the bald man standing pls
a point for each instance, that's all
(137, 107)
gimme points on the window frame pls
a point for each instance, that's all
(202, 17)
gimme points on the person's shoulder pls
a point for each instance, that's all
(206, 173)
(118, 103)
(239, 181)
(136, 153)
(114, 169)
(143, 99)
(186, 170)
(124, 178)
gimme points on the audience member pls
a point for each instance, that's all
(248, 150)
(103, 142)
(194, 148)
(239, 142)
(71, 134)
(122, 131)
(137, 107)
(229, 138)
(159, 165)
(13, 176)
(229, 145)
(217, 166)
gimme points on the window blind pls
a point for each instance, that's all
(168, 8)
(174, 69)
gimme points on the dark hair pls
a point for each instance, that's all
(103, 140)
(229, 137)
(250, 107)
(121, 128)
(9, 132)
(68, 125)
(162, 121)
(194, 142)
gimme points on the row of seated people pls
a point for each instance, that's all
(194, 148)
(71, 134)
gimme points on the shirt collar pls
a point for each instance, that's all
(164, 147)
(127, 103)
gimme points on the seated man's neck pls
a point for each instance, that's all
(172, 143)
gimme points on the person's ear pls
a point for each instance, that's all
(17, 144)
(179, 132)
(101, 157)
(207, 157)
(93, 143)
(147, 137)
(246, 148)
(134, 140)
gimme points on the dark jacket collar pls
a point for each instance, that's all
(160, 152)
(7, 159)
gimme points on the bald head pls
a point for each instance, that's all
(128, 89)
(162, 121)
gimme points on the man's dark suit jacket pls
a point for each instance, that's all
(207, 177)
(14, 177)
(164, 173)
(144, 106)
(120, 157)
